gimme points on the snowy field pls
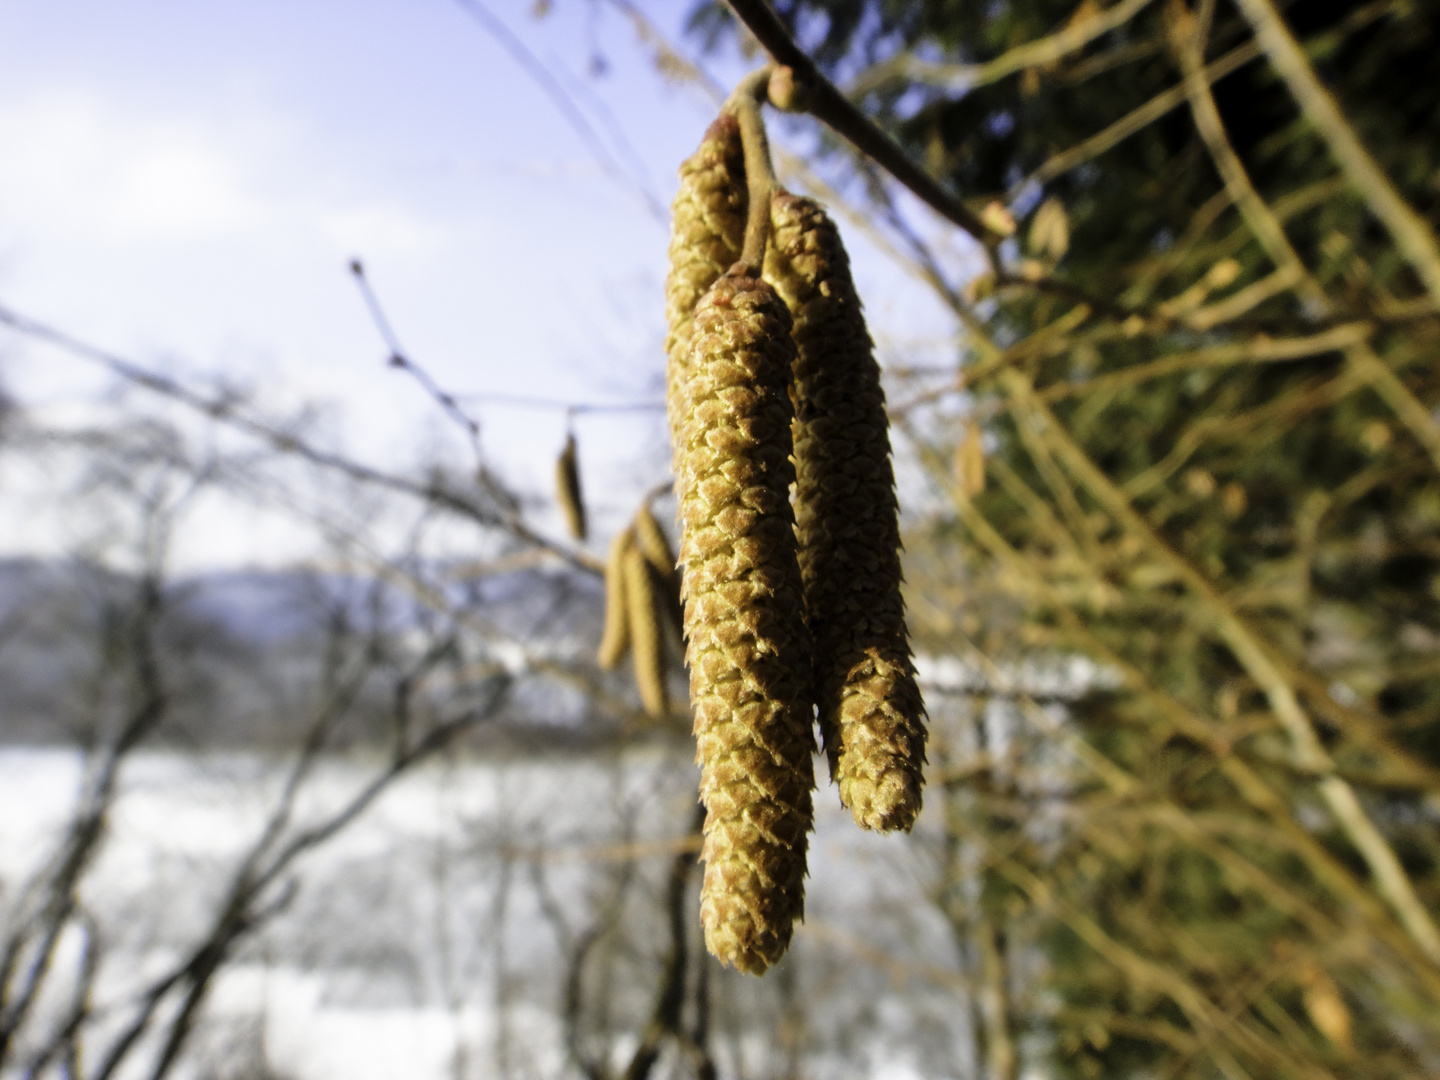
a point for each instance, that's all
(430, 937)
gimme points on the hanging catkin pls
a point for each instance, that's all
(870, 710)
(661, 557)
(706, 233)
(567, 487)
(748, 647)
(615, 641)
(644, 617)
(970, 462)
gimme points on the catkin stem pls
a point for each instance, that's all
(745, 103)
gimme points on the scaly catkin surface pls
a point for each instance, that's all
(748, 647)
(707, 230)
(847, 521)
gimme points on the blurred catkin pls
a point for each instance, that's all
(847, 521)
(707, 230)
(567, 488)
(748, 647)
(661, 557)
(615, 641)
(644, 617)
(970, 462)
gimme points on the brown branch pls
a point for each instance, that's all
(669, 1000)
(1130, 123)
(963, 77)
(498, 516)
(1407, 228)
(58, 887)
(1250, 649)
(822, 100)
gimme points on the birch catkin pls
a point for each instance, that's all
(615, 641)
(870, 710)
(567, 487)
(661, 557)
(645, 647)
(707, 231)
(748, 647)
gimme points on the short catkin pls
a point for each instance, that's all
(641, 602)
(872, 718)
(567, 487)
(707, 231)
(748, 649)
(615, 640)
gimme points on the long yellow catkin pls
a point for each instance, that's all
(707, 230)
(645, 647)
(567, 487)
(615, 641)
(748, 647)
(661, 557)
(871, 714)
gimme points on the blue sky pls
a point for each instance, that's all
(184, 183)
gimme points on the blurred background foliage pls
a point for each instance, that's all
(1206, 376)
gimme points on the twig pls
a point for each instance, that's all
(670, 997)
(1409, 230)
(1188, 40)
(1266, 351)
(964, 77)
(822, 100)
(575, 408)
(226, 411)
(1255, 657)
(400, 359)
(562, 101)
(1130, 123)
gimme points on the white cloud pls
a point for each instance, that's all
(376, 227)
(75, 166)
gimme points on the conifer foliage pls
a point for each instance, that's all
(1198, 446)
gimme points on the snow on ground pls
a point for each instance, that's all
(418, 941)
